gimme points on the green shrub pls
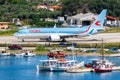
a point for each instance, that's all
(108, 45)
(40, 48)
(7, 32)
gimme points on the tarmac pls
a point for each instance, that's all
(107, 38)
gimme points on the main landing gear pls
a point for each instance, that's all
(63, 40)
(22, 40)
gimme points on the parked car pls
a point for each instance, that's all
(15, 46)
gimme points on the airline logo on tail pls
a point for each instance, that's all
(98, 23)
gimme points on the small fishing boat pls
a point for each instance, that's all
(55, 65)
(25, 54)
(18, 54)
(28, 54)
(93, 63)
(104, 66)
(56, 54)
(4, 53)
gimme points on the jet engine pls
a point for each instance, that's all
(54, 38)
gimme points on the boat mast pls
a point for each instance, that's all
(102, 50)
(73, 51)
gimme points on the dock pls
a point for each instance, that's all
(81, 70)
(116, 68)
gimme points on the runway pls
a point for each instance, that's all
(107, 37)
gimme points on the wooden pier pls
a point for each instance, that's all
(116, 68)
(81, 70)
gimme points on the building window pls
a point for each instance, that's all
(85, 23)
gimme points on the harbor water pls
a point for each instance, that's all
(24, 68)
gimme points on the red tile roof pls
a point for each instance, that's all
(110, 17)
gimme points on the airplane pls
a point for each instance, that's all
(59, 34)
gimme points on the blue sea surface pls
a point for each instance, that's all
(24, 68)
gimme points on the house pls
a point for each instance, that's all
(56, 7)
(86, 19)
(43, 6)
(52, 1)
(51, 8)
(111, 21)
(4, 25)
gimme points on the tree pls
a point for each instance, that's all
(72, 7)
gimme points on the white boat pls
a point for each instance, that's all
(4, 53)
(25, 54)
(28, 54)
(18, 54)
(58, 64)
(104, 65)
(55, 65)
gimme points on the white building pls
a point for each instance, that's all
(112, 21)
(81, 19)
(86, 19)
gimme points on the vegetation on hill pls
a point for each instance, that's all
(71, 7)
(26, 9)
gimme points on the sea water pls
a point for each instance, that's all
(24, 68)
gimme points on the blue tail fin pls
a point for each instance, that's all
(98, 23)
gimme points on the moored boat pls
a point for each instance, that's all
(57, 62)
(93, 63)
(56, 54)
(55, 65)
(28, 54)
(4, 53)
(25, 54)
(104, 66)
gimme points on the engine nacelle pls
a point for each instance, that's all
(54, 38)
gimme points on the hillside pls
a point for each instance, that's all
(26, 10)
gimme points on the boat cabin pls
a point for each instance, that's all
(56, 54)
(55, 64)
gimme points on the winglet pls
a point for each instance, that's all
(91, 32)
